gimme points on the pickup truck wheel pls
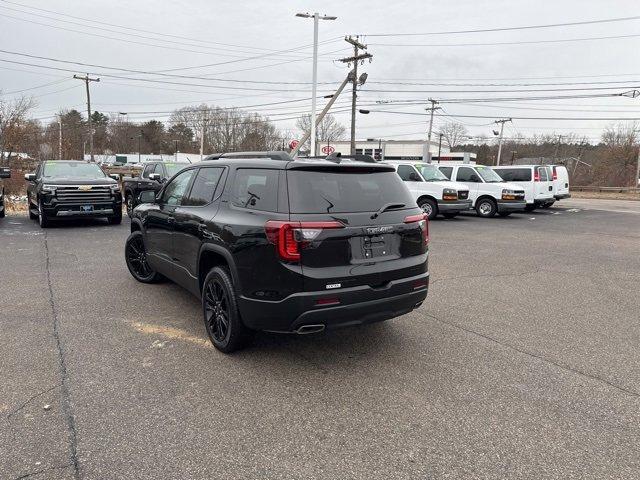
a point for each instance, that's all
(116, 219)
(220, 310)
(2, 212)
(486, 207)
(135, 255)
(429, 207)
(129, 202)
(43, 219)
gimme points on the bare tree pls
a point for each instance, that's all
(454, 133)
(329, 129)
(13, 116)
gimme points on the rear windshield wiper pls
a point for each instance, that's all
(385, 207)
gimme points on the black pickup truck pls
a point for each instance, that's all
(153, 177)
(5, 172)
(72, 189)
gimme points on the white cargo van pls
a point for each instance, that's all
(433, 192)
(560, 179)
(489, 194)
(534, 179)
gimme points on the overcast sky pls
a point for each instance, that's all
(227, 34)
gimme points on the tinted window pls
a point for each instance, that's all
(447, 171)
(176, 190)
(256, 189)
(430, 173)
(357, 190)
(204, 186)
(405, 172)
(515, 174)
(148, 170)
(466, 174)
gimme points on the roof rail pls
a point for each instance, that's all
(273, 155)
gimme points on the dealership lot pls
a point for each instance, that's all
(523, 362)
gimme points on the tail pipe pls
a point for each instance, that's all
(305, 329)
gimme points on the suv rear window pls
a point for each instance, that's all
(256, 189)
(331, 191)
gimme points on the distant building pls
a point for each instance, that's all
(385, 149)
(133, 158)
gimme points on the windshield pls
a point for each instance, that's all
(173, 168)
(431, 173)
(327, 191)
(72, 169)
(488, 175)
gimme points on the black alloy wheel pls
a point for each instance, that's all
(136, 257)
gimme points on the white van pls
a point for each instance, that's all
(434, 193)
(534, 179)
(560, 179)
(489, 194)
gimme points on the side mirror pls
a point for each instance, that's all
(155, 177)
(5, 172)
(414, 177)
(148, 196)
(115, 176)
(30, 177)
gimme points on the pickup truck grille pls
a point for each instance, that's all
(463, 194)
(76, 194)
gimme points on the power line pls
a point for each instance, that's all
(519, 118)
(506, 29)
(521, 42)
(35, 88)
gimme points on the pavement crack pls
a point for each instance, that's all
(66, 397)
(537, 356)
(31, 398)
(44, 470)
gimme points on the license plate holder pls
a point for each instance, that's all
(86, 208)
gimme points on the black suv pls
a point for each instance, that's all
(72, 188)
(284, 246)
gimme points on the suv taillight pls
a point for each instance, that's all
(290, 237)
(554, 174)
(423, 220)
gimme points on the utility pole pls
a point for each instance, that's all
(558, 147)
(637, 170)
(175, 150)
(60, 138)
(86, 79)
(440, 145)
(432, 108)
(355, 80)
(501, 122)
(316, 17)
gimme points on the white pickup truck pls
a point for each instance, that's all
(488, 192)
(434, 192)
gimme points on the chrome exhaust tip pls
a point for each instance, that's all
(306, 329)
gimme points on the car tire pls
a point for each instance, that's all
(430, 207)
(504, 214)
(135, 255)
(2, 212)
(116, 219)
(548, 205)
(43, 219)
(128, 200)
(530, 208)
(220, 312)
(32, 215)
(450, 215)
(486, 207)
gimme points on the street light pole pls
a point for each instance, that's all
(316, 17)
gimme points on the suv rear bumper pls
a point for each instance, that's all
(357, 305)
(511, 206)
(454, 206)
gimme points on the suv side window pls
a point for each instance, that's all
(405, 172)
(256, 189)
(175, 191)
(447, 171)
(466, 174)
(204, 186)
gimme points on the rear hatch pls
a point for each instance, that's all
(359, 226)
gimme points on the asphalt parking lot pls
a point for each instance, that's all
(522, 363)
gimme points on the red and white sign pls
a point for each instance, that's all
(328, 149)
(293, 144)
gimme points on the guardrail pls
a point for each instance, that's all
(606, 189)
